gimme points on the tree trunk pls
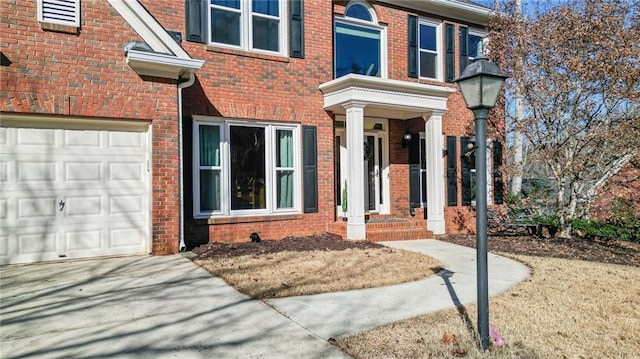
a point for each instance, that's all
(516, 179)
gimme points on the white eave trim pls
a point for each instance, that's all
(161, 65)
(148, 28)
(448, 8)
(405, 97)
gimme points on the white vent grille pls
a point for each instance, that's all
(63, 12)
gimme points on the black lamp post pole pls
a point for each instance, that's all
(480, 116)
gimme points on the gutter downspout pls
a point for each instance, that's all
(191, 78)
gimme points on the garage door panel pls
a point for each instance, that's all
(84, 240)
(82, 171)
(37, 171)
(82, 206)
(35, 137)
(41, 208)
(83, 139)
(100, 175)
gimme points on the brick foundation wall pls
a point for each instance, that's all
(82, 72)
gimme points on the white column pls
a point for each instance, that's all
(435, 173)
(356, 228)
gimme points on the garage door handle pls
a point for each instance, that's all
(61, 205)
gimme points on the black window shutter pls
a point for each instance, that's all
(464, 48)
(467, 163)
(498, 184)
(296, 28)
(452, 171)
(449, 67)
(412, 36)
(196, 20)
(414, 171)
(310, 168)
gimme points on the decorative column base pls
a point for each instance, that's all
(356, 231)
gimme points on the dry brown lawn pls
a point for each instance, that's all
(291, 273)
(567, 309)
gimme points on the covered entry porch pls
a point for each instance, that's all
(364, 109)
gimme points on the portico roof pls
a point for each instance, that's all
(383, 97)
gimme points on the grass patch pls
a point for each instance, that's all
(292, 273)
(567, 309)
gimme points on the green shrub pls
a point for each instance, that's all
(626, 232)
(549, 220)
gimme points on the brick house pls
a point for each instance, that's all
(153, 126)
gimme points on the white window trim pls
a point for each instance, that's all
(42, 18)
(370, 25)
(246, 28)
(225, 161)
(439, 48)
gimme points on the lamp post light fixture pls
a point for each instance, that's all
(480, 83)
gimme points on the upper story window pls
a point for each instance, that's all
(475, 45)
(255, 25)
(61, 12)
(429, 47)
(360, 43)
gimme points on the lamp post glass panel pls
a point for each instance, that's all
(480, 84)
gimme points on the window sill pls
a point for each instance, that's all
(244, 53)
(257, 218)
(66, 29)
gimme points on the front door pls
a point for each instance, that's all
(375, 170)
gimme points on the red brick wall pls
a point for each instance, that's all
(622, 189)
(82, 73)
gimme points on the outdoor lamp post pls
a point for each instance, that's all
(480, 84)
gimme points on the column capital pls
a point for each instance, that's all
(433, 114)
(355, 104)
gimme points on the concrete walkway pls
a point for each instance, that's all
(332, 315)
(161, 307)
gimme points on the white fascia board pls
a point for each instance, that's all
(148, 28)
(356, 80)
(161, 65)
(449, 8)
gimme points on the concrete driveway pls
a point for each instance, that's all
(140, 307)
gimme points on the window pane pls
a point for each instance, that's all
(357, 50)
(423, 186)
(423, 154)
(235, 4)
(427, 64)
(267, 7)
(428, 40)
(285, 189)
(225, 27)
(474, 41)
(284, 148)
(248, 181)
(209, 145)
(359, 12)
(209, 191)
(265, 33)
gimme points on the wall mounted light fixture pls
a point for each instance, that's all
(406, 139)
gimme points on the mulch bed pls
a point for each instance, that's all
(319, 242)
(605, 251)
(614, 252)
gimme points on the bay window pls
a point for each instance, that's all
(245, 168)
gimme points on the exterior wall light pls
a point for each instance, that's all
(406, 139)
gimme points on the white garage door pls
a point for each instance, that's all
(71, 193)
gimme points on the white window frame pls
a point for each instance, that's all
(58, 6)
(246, 27)
(373, 24)
(439, 48)
(225, 161)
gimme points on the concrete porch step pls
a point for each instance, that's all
(388, 229)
